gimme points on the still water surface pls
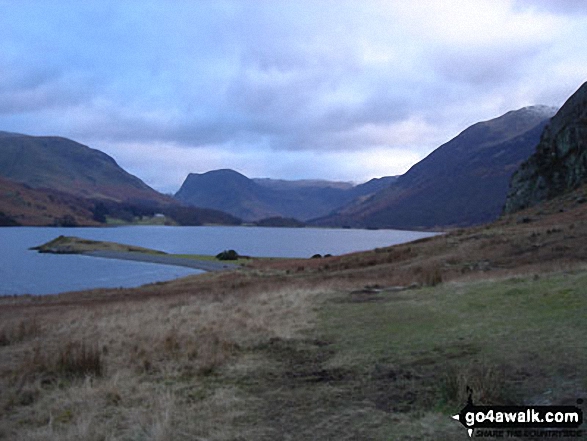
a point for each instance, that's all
(27, 272)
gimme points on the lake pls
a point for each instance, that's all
(23, 271)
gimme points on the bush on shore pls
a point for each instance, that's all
(227, 255)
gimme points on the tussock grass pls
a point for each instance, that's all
(295, 362)
(147, 370)
(486, 383)
(12, 333)
(79, 360)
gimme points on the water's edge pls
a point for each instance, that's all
(163, 260)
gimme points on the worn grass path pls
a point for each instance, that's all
(395, 365)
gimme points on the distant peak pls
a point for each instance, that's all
(225, 172)
(541, 110)
(222, 171)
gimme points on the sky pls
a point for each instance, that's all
(285, 89)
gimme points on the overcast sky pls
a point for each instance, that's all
(340, 90)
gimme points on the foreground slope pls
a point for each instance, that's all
(69, 167)
(463, 182)
(559, 163)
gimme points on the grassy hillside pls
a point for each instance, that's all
(69, 167)
(21, 205)
(377, 345)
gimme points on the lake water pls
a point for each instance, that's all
(23, 271)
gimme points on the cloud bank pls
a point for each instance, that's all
(340, 90)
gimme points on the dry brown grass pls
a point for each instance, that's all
(486, 381)
(11, 333)
(144, 358)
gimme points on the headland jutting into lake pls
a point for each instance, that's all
(112, 250)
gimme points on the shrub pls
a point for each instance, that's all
(65, 221)
(79, 360)
(433, 277)
(227, 255)
(20, 332)
(486, 382)
(72, 360)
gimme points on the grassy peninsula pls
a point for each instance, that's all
(113, 250)
(76, 245)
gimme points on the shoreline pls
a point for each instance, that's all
(163, 259)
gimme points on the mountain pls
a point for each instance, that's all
(69, 167)
(559, 163)
(48, 180)
(463, 182)
(256, 199)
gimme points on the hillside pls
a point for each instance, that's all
(22, 205)
(256, 199)
(69, 167)
(463, 182)
(56, 181)
(559, 163)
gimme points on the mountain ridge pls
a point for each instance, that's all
(251, 200)
(463, 182)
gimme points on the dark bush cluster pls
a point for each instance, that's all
(227, 255)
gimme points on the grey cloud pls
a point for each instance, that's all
(38, 91)
(556, 6)
(289, 76)
(486, 67)
(271, 77)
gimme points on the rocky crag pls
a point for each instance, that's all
(560, 161)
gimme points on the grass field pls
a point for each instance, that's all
(295, 364)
